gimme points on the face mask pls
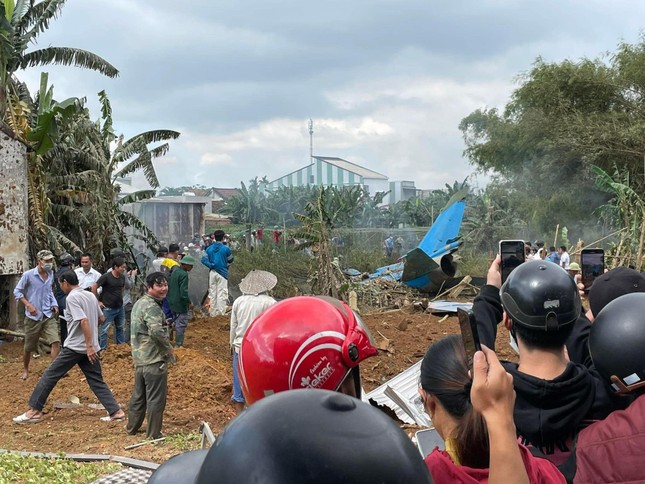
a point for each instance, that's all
(513, 343)
(48, 266)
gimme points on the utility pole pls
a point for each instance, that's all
(311, 140)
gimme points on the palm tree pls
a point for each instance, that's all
(21, 22)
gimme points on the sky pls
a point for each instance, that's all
(386, 82)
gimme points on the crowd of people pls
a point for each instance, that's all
(571, 409)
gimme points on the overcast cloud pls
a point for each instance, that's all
(385, 81)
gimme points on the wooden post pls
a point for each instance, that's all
(555, 239)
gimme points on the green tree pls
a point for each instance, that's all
(317, 224)
(21, 22)
(247, 207)
(170, 191)
(562, 120)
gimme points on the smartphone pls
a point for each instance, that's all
(427, 440)
(469, 334)
(512, 254)
(593, 265)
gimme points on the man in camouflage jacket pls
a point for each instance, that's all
(151, 353)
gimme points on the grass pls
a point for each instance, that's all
(474, 264)
(185, 442)
(16, 468)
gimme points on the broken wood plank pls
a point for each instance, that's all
(145, 442)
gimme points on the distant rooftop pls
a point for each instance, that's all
(226, 193)
(353, 167)
(177, 199)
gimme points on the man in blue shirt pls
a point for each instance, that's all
(35, 291)
(217, 258)
(553, 256)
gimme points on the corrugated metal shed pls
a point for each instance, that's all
(172, 219)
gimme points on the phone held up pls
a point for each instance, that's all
(512, 255)
(469, 334)
(592, 262)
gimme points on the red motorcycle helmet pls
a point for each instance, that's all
(303, 342)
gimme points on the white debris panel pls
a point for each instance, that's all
(401, 394)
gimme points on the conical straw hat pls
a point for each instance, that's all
(257, 282)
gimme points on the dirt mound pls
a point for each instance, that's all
(200, 386)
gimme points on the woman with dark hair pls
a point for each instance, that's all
(472, 452)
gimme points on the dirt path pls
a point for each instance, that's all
(199, 387)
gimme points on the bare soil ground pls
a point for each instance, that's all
(200, 386)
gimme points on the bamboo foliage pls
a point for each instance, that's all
(626, 210)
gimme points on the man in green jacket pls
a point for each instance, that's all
(151, 354)
(178, 297)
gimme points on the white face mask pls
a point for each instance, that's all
(513, 343)
(48, 266)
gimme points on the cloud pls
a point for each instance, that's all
(385, 81)
(216, 159)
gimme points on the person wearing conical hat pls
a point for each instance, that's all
(246, 308)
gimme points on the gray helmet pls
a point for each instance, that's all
(313, 436)
(617, 342)
(540, 295)
(66, 259)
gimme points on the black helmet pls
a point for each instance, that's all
(313, 436)
(540, 295)
(617, 342)
(180, 469)
(66, 259)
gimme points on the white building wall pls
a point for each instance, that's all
(376, 185)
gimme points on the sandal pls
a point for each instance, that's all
(110, 418)
(24, 419)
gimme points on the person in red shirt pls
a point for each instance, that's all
(481, 444)
(613, 450)
(276, 235)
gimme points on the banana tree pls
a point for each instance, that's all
(37, 120)
(79, 196)
(109, 158)
(626, 211)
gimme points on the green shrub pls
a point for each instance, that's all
(291, 267)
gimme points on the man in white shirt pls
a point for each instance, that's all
(245, 309)
(162, 253)
(81, 345)
(86, 274)
(564, 257)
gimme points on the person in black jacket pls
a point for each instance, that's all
(540, 305)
